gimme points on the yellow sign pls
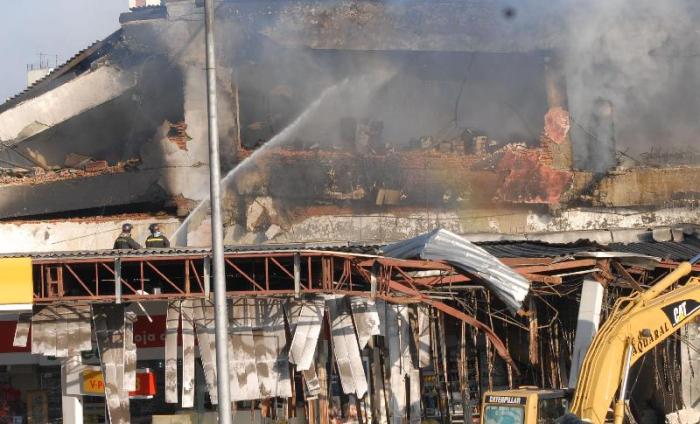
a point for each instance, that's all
(93, 383)
(16, 281)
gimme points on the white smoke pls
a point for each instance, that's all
(637, 55)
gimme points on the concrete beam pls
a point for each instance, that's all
(80, 193)
(64, 102)
(587, 326)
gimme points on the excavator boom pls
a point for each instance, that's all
(637, 324)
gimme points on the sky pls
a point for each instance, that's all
(54, 27)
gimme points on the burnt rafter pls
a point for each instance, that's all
(153, 275)
(183, 273)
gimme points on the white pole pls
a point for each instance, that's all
(217, 236)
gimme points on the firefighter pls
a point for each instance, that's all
(156, 239)
(124, 241)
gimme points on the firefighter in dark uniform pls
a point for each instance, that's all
(156, 239)
(124, 241)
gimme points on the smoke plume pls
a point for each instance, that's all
(636, 60)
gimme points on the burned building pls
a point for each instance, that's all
(368, 122)
(350, 120)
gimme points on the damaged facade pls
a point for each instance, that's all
(376, 134)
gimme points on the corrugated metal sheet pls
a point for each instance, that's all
(423, 339)
(177, 251)
(271, 349)
(188, 356)
(205, 330)
(345, 348)
(22, 330)
(674, 251)
(109, 332)
(441, 244)
(259, 349)
(244, 382)
(399, 359)
(62, 330)
(366, 317)
(302, 351)
(129, 352)
(536, 249)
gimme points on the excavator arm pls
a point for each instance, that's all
(637, 324)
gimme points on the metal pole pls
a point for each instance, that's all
(619, 409)
(217, 237)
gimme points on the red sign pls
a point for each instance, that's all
(149, 334)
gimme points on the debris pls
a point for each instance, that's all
(302, 350)
(357, 193)
(96, 166)
(75, 160)
(481, 142)
(260, 212)
(313, 385)
(388, 197)
(256, 216)
(273, 231)
(41, 175)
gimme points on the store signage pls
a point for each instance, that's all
(507, 400)
(93, 384)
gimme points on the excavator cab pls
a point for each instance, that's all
(526, 405)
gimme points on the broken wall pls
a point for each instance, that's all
(180, 37)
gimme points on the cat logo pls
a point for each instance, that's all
(680, 311)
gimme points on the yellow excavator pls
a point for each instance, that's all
(637, 324)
